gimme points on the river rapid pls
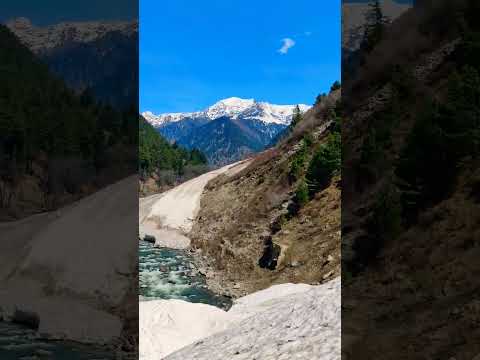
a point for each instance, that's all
(170, 274)
(164, 274)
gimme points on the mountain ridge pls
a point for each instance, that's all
(227, 131)
(233, 106)
(90, 56)
(42, 39)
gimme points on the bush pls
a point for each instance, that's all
(335, 86)
(298, 163)
(324, 164)
(443, 135)
(383, 225)
(301, 194)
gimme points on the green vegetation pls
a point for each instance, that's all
(320, 98)
(377, 143)
(325, 164)
(314, 169)
(156, 155)
(383, 225)
(297, 117)
(374, 27)
(41, 117)
(297, 165)
(301, 194)
(335, 86)
(443, 135)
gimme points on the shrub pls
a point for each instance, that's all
(383, 225)
(335, 86)
(301, 194)
(443, 135)
(298, 163)
(324, 164)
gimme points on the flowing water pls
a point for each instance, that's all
(18, 342)
(170, 274)
(164, 274)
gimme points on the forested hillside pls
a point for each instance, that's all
(410, 202)
(52, 142)
(162, 164)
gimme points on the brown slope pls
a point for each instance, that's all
(237, 215)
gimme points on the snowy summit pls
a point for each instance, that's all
(233, 107)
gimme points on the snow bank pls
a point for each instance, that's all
(47, 257)
(168, 325)
(290, 321)
(263, 300)
(175, 210)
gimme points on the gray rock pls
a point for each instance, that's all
(149, 238)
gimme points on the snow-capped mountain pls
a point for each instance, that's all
(101, 56)
(44, 38)
(234, 108)
(228, 130)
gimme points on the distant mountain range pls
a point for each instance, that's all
(99, 56)
(229, 130)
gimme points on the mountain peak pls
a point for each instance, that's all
(236, 101)
(233, 107)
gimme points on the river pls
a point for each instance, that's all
(164, 274)
(18, 342)
(170, 274)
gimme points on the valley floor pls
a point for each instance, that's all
(286, 321)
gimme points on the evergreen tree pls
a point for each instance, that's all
(297, 116)
(374, 27)
(335, 86)
(156, 154)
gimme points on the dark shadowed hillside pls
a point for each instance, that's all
(55, 146)
(409, 204)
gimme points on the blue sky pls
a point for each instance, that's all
(194, 53)
(43, 12)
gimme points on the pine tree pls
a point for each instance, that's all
(297, 116)
(374, 27)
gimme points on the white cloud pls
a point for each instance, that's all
(287, 45)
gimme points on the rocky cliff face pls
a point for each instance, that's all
(244, 223)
